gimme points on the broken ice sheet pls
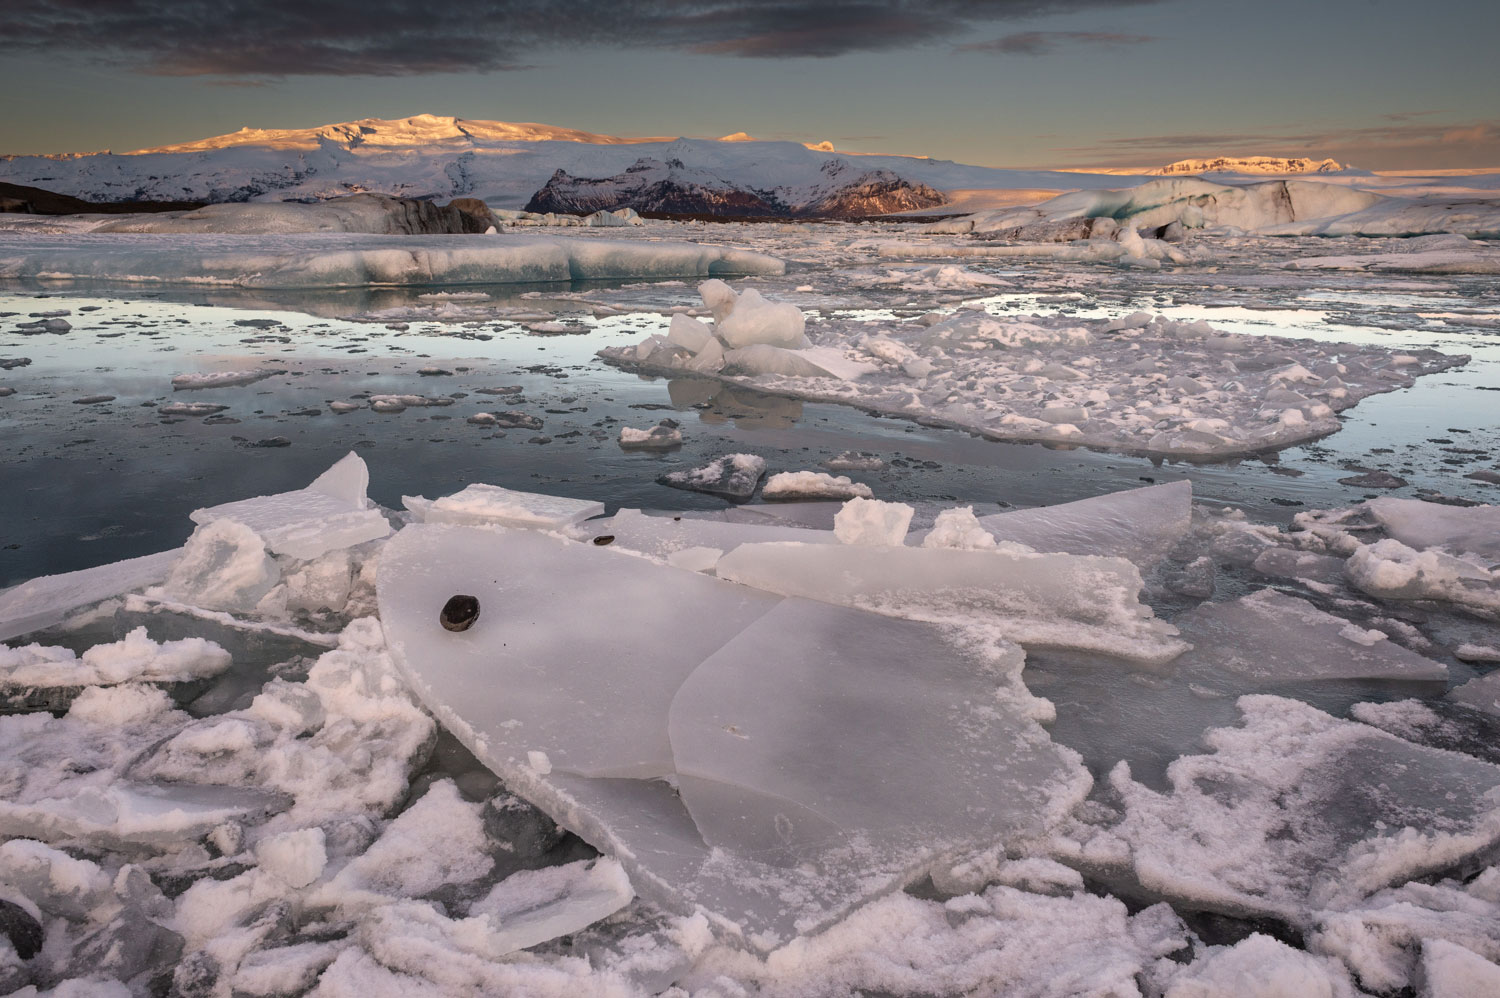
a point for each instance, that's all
(49, 599)
(733, 476)
(1142, 525)
(1048, 601)
(480, 504)
(1268, 638)
(886, 740)
(595, 704)
(333, 512)
(1296, 811)
(582, 728)
(662, 536)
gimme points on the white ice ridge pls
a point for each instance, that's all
(1083, 602)
(1139, 385)
(481, 504)
(333, 512)
(668, 675)
(134, 658)
(353, 260)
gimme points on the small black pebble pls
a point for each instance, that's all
(604, 539)
(23, 931)
(459, 613)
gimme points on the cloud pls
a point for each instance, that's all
(245, 38)
(1044, 42)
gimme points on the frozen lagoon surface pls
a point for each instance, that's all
(254, 762)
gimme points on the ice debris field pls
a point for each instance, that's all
(1097, 597)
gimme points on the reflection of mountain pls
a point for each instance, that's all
(673, 188)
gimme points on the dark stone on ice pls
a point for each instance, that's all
(459, 613)
(604, 539)
(23, 931)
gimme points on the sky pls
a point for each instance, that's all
(1380, 84)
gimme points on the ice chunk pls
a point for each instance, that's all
(753, 319)
(656, 438)
(1297, 811)
(331, 513)
(296, 858)
(894, 743)
(224, 566)
(480, 504)
(870, 521)
(533, 906)
(596, 704)
(959, 528)
(719, 297)
(1390, 569)
(1261, 967)
(1482, 693)
(1459, 529)
(1061, 600)
(45, 601)
(1142, 525)
(1451, 971)
(733, 476)
(129, 813)
(813, 362)
(814, 484)
(136, 658)
(1269, 637)
(688, 333)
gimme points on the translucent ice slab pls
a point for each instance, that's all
(1419, 525)
(577, 651)
(1269, 637)
(1050, 601)
(481, 504)
(126, 813)
(1140, 524)
(563, 688)
(662, 536)
(533, 906)
(45, 601)
(821, 727)
(329, 514)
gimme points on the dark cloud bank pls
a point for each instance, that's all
(410, 37)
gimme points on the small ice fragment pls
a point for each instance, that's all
(870, 521)
(656, 438)
(733, 476)
(480, 504)
(1139, 524)
(163, 815)
(295, 858)
(224, 566)
(814, 485)
(533, 906)
(959, 528)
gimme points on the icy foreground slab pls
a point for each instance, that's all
(1141, 525)
(481, 504)
(357, 260)
(1047, 601)
(577, 651)
(1269, 637)
(1297, 812)
(820, 728)
(331, 513)
(586, 726)
(48, 600)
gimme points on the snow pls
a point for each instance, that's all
(733, 476)
(870, 521)
(135, 658)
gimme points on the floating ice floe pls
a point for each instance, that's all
(662, 437)
(733, 476)
(48, 600)
(1296, 812)
(766, 849)
(221, 379)
(134, 658)
(813, 485)
(1142, 384)
(356, 260)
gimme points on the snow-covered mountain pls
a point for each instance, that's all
(1252, 165)
(436, 157)
(648, 185)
